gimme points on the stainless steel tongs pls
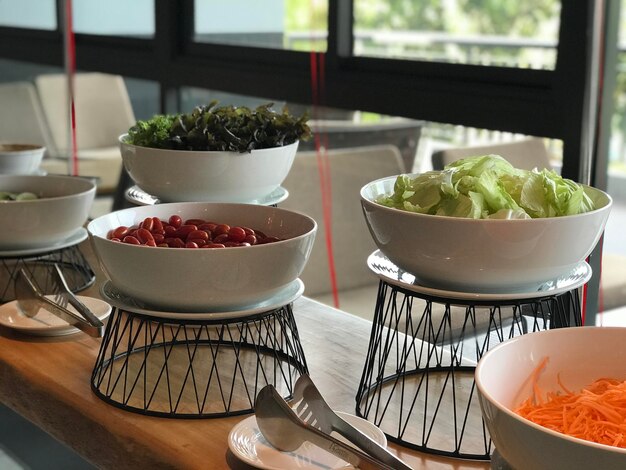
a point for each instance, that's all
(285, 431)
(30, 299)
(311, 408)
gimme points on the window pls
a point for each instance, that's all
(35, 14)
(512, 34)
(114, 17)
(278, 24)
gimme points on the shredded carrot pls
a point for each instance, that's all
(597, 413)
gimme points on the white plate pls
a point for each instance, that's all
(136, 195)
(389, 272)
(124, 302)
(248, 444)
(74, 239)
(46, 323)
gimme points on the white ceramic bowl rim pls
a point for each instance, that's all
(91, 187)
(7, 148)
(276, 243)
(511, 413)
(468, 220)
(122, 140)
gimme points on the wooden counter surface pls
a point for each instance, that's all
(47, 380)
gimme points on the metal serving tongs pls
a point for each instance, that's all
(286, 432)
(30, 299)
(311, 408)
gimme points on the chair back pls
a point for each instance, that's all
(102, 106)
(350, 170)
(21, 117)
(525, 154)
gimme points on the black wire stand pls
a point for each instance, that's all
(418, 384)
(73, 264)
(181, 368)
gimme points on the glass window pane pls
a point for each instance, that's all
(278, 24)
(114, 17)
(36, 14)
(480, 32)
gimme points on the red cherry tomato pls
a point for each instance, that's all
(194, 222)
(143, 235)
(201, 234)
(237, 234)
(220, 229)
(148, 223)
(120, 232)
(175, 221)
(184, 231)
(157, 225)
(131, 240)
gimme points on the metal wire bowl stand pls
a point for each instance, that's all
(418, 384)
(206, 368)
(75, 267)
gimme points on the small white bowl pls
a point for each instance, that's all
(482, 255)
(205, 279)
(20, 159)
(61, 209)
(206, 176)
(580, 355)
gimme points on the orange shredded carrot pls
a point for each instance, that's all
(596, 413)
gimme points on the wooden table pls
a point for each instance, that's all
(47, 380)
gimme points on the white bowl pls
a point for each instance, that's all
(20, 159)
(205, 279)
(206, 176)
(61, 209)
(580, 355)
(482, 255)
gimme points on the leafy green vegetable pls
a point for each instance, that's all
(210, 127)
(488, 187)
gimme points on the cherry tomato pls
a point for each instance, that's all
(201, 234)
(184, 231)
(191, 245)
(194, 222)
(131, 240)
(250, 239)
(148, 223)
(221, 228)
(237, 234)
(175, 221)
(120, 232)
(221, 238)
(157, 225)
(198, 241)
(144, 235)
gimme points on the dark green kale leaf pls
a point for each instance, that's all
(237, 129)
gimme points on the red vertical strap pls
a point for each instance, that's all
(70, 54)
(323, 163)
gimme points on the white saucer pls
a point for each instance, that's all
(46, 323)
(124, 302)
(248, 444)
(74, 239)
(389, 272)
(136, 195)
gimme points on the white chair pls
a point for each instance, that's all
(21, 117)
(526, 154)
(103, 112)
(350, 170)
